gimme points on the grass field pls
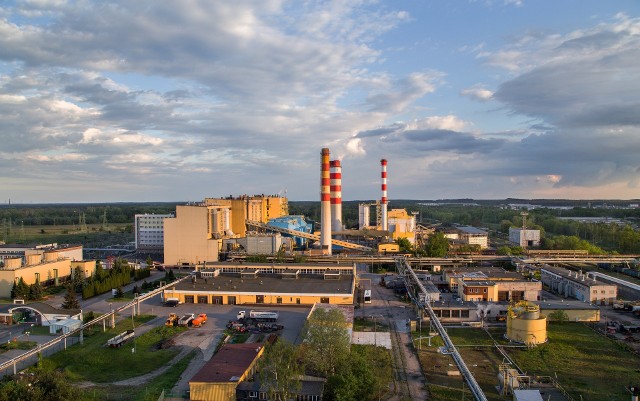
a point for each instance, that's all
(587, 365)
(97, 363)
(94, 236)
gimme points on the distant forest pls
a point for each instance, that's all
(492, 215)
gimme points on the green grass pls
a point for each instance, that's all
(367, 324)
(100, 364)
(587, 365)
(149, 392)
(22, 345)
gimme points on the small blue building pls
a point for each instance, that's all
(296, 223)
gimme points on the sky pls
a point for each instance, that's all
(147, 100)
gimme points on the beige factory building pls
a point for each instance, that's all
(51, 266)
(195, 234)
(573, 284)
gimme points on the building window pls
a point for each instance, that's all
(253, 394)
(37, 276)
(485, 290)
(263, 396)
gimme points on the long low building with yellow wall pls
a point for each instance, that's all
(268, 284)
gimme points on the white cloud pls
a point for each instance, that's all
(477, 92)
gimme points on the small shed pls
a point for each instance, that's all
(66, 325)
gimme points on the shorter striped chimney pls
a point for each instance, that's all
(383, 200)
(336, 195)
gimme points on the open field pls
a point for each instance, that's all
(94, 362)
(587, 365)
(95, 236)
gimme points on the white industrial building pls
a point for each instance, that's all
(469, 235)
(149, 231)
(524, 238)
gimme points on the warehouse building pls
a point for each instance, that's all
(577, 285)
(220, 376)
(268, 284)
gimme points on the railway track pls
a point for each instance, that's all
(401, 388)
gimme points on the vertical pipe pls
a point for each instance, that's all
(336, 195)
(383, 200)
(325, 203)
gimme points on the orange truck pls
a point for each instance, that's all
(200, 320)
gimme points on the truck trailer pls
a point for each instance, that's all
(120, 339)
(260, 316)
(185, 320)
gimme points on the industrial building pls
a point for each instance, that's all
(11, 251)
(220, 376)
(149, 231)
(266, 284)
(525, 238)
(471, 236)
(491, 285)
(194, 235)
(296, 223)
(52, 266)
(573, 284)
(402, 225)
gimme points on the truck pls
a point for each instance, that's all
(200, 320)
(120, 339)
(257, 315)
(171, 320)
(186, 319)
(172, 302)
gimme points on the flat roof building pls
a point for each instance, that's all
(149, 231)
(265, 284)
(573, 284)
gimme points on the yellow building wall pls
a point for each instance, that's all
(186, 237)
(88, 267)
(578, 315)
(212, 391)
(389, 247)
(46, 271)
(250, 299)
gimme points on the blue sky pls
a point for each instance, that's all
(163, 101)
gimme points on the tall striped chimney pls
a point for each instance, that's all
(325, 203)
(336, 195)
(383, 200)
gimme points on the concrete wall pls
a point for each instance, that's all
(47, 271)
(187, 239)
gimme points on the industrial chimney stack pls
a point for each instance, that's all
(383, 200)
(336, 196)
(325, 203)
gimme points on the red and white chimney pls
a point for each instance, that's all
(336, 196)
(325, 203)
(383, 200)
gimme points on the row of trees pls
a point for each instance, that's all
(353, 372)
(119, 275)
(32, 292)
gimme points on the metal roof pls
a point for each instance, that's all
(229, 364)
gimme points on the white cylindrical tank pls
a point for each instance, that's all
(364, 217)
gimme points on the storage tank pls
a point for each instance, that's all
(34, 259)
(364, 218)
(525, 324)
(12, 263)
(51, 256)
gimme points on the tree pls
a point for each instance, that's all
(77, 280)
(280, 370)
(326, 341)
(20, 289)
(559, 316)
(119, 292)
(149, 262)
(35, 291)
(70, 300)
(437, 245)
(404, 244)
(39, 385)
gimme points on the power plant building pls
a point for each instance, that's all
(194, 235)
(402, 225)
(296, 223)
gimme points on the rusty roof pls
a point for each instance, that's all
(228, 364)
